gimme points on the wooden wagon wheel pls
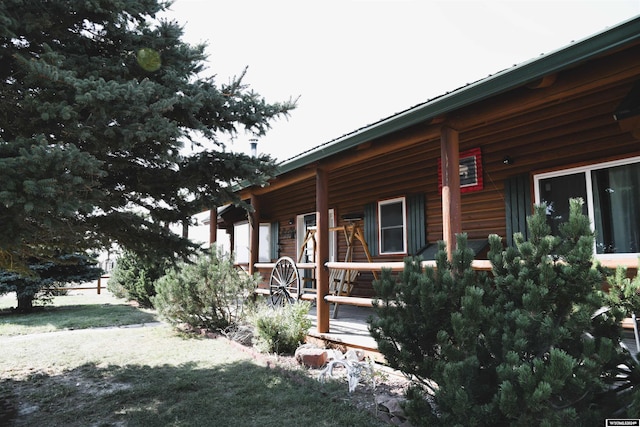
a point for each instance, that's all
(284, 284)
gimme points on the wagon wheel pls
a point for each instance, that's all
(284, 284)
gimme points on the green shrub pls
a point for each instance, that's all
(281, 330)
(209, 293)
(535, 343)
(134, 278)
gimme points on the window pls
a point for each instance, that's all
(241, 242)
(392, 220)
(308, 222)
(611, 192)
(415, 227)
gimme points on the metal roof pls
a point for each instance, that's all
(521, 74)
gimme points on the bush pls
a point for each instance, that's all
(535, 343)
(134, 278)
(281, 330)
(209, 293)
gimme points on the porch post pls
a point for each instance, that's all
(451, 204)
(213, 225)
(322, 249)
(254, 233)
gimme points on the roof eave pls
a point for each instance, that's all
(527, 72)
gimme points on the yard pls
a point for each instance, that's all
(57, 371)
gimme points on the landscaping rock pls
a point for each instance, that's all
(384, 417)
(314, 358)
(390, 410)
(393, 405)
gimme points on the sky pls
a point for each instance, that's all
(351, 63)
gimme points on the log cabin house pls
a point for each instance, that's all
(474, 161)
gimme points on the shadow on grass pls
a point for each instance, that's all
(47, 319)
(236, 394)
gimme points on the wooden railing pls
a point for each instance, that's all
(397, 266)
(358, 266)
(98, 286)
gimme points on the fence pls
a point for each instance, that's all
(99, 286)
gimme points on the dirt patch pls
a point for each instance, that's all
(381, 398)
(18, 405)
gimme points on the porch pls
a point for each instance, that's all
(347, 328)
(350, 330)
(325, 300)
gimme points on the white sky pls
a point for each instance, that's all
(354, 62)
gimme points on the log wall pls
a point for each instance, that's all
(566, 123)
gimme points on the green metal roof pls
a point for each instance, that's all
(527, 72)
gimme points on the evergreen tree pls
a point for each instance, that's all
(43, 276)
(109, 129)
(535, 343)
(134, 278)
(207, 293)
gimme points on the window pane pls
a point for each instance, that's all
(557, 191)
(241, 242)
(392, 223)
(616, 194)
(392, 240)
(391, 215)
(264, 254)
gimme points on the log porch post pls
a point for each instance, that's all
(322, 249)
(213, 225)
(451, 204)
(254, 233)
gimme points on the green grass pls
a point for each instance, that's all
(77, 311)
(152, 376)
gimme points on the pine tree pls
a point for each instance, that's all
(110, 129)
(38, 283)
(134, 278)
(535, 343)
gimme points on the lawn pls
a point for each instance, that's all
(153, 376)
(78, 310)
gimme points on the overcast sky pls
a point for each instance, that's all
(354, 62)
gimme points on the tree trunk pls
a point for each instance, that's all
(25, 303)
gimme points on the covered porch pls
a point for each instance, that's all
(499, 141)
(349, 331)
(341, 319)
(347, 328)
(324, 272)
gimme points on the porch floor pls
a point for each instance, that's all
(348, 330)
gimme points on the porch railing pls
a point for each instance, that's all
(358, 266)
(397, 266)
